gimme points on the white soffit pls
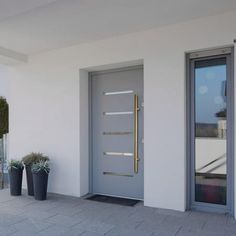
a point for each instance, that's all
(32, 26)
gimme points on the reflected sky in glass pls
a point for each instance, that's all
(210, 96)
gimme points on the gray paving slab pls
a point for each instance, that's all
(54, 230)
(7, 230)
(94, 226)
(71, 216)
(31, 225)
(66, 210)
(63, 220)
(129, 231)
(87, 233)
(75, 232)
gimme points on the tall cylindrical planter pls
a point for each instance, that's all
(15, 176)
(40, 180)
(29, 178)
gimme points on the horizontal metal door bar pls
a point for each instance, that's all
(117, 174)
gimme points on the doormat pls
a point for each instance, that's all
(113, 200)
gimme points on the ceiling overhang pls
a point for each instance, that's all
(10, 57)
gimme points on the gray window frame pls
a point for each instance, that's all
(191, 58)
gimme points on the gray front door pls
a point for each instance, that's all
(117, 132)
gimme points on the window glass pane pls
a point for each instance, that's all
(210, 131)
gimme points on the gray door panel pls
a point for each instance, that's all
(113, 133)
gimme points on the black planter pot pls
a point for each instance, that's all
(15, 176)
(29, 177)
(40, 180)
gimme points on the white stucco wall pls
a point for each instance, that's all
(45, 104)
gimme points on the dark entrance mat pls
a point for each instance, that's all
(113, 200)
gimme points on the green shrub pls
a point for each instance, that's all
(41, 166)
(222, 113)
(3, 117)
(34, 158)
(15, 164)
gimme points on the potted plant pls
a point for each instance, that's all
(15, 169)
(40, 171)
(28, 161)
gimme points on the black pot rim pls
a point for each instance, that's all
(40, 172)
(10, 169)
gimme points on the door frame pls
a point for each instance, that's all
(190, 59)
(90, 75)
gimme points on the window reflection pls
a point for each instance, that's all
(210, 131)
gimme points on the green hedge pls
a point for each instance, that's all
(4, 115)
